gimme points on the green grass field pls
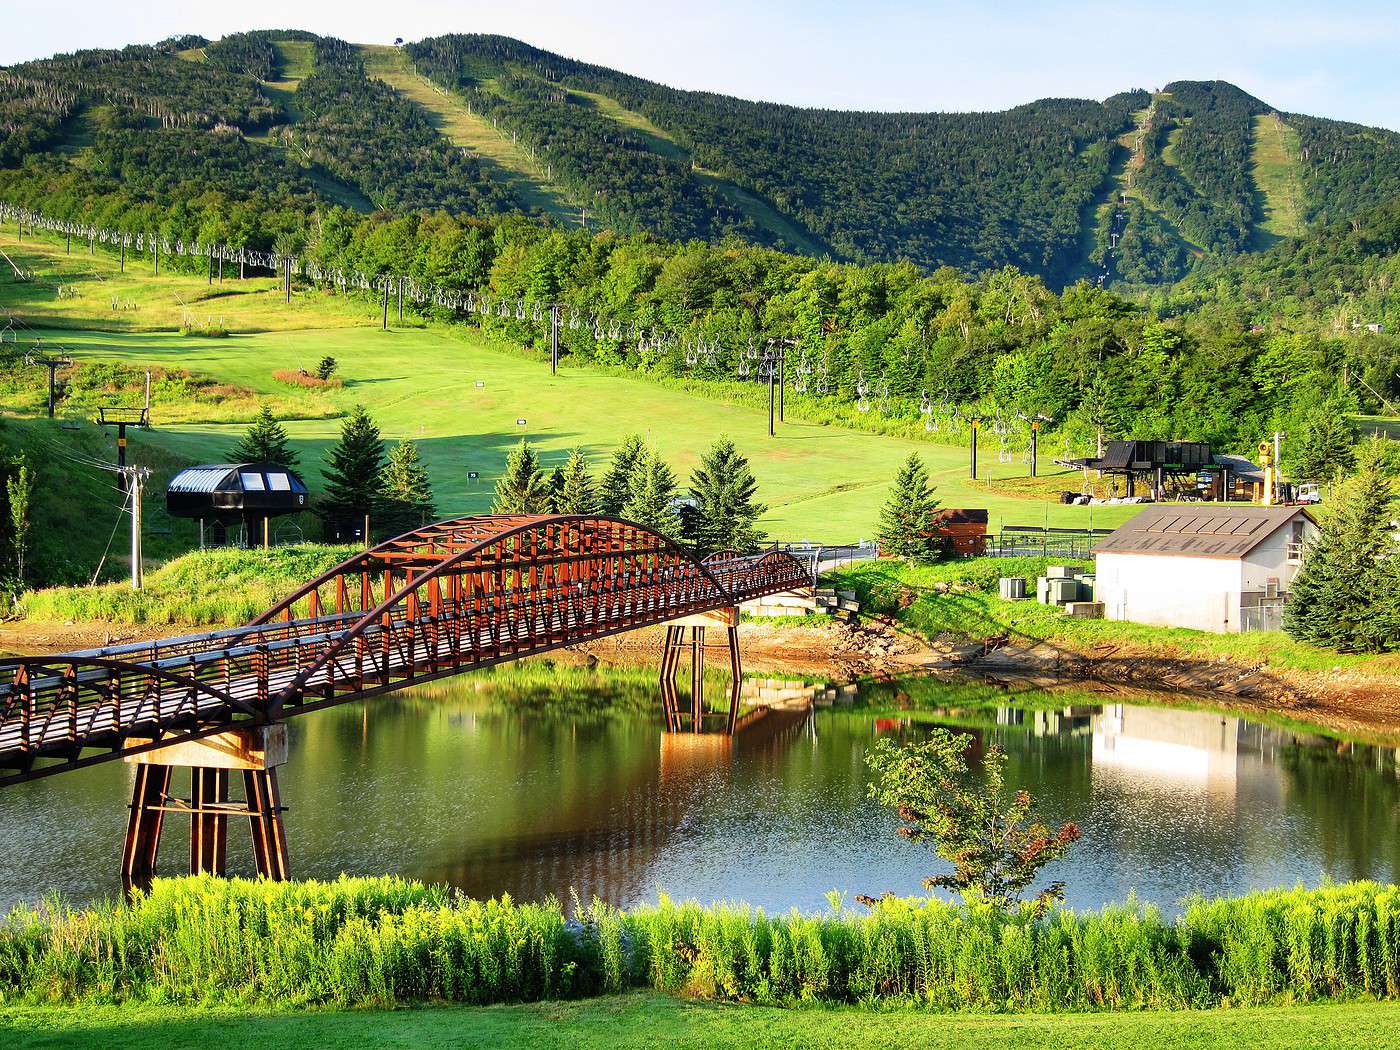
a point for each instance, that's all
(648, 1020)
(1274, 166)
(820, 482)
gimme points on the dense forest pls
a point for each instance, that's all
(883, 343)
(979, 191)
(1248, 343)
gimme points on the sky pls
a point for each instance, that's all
(1335, 60)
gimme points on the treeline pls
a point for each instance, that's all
(614, 171)
(1347, 168)
(157, 84)
(1001, 347)
(977, 190)
(1208, 192)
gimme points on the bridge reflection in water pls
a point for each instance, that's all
(538, 780)
(447, 598)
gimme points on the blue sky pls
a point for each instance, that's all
(1336, 60)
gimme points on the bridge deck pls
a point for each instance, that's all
(435, 613)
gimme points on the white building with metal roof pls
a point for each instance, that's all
(1219, 567)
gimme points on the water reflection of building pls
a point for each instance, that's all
(1061, 721)
(1210, 750)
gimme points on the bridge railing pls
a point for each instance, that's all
(440, 621)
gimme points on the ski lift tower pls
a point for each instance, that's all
(119, 417)
(53, 363)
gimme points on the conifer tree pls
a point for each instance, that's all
(1327, 445)
(651, 499)
(522, 487)
(723, 511)
(616, 485)
(406, 490)
(580, 492)
(1346, 596)
(354, 471)
(555, 480)
(906, 529)
(265, 441)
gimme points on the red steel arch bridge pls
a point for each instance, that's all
(437, 601)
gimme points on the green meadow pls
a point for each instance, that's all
(461, 395)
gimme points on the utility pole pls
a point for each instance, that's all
(975, 425)
(386, 304)
(136, 486)
(1035, 433)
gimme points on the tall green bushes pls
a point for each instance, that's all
(385, 941)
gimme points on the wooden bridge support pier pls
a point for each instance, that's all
(256, 752)
(673, 648)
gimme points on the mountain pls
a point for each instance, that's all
(1142, 188)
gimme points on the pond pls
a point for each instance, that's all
(544, 780)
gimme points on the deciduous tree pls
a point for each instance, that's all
(989, 833)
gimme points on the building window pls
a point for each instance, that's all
(1295, 543)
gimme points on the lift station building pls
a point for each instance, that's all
(231, 494)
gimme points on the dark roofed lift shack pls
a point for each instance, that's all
(250, 494)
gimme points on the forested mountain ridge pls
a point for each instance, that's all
(1139, 189)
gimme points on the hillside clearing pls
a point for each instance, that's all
(1275, 169)
(745, 201)
(502, 159)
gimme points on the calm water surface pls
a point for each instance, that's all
(537, 783)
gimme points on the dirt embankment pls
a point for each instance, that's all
(1350, 702)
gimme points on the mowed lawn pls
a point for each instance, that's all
(644, 1020)
(460, 395)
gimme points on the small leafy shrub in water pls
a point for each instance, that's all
(387, 941)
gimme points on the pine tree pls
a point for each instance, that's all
(651, 498)
(353, 474)
(580, 492)
(1347, 594)
(406, 490)
(616, 485)
(555, 481)
(1326, 446)
(265, 441)
(723, 513)
(522, 487)
(906, 530)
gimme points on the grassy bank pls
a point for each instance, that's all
(384, 942)
(960, 600)
(209, 587)
(642, 1020)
